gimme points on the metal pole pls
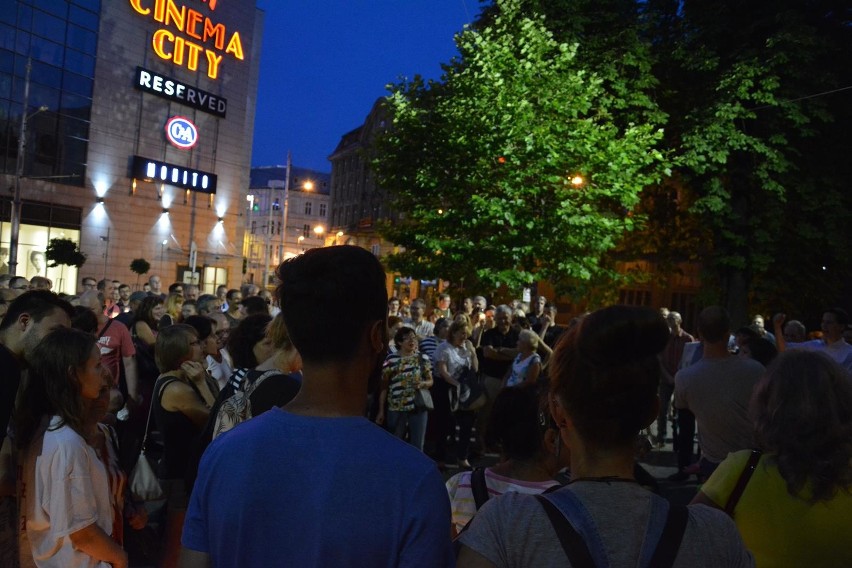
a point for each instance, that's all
(267, 238)
(19, 173)
(106, 252)
(286, 207)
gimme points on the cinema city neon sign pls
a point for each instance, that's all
(192, 23)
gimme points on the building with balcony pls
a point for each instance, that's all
(286, 214)
(138, 120)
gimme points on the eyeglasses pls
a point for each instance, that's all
(20, 287)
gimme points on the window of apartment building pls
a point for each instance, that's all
(322, 210)
(375, 249)
(306, 231)
(308, 207)
(634, 297)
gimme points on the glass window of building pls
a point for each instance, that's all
(322, 209)
(59, 40)
(308, 207)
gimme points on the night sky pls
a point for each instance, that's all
(325, 62)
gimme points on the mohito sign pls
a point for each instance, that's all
(198, 38)
(181, 132)
(178, 176)
(174, 90)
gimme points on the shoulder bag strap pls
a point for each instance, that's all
(669, 543)
(479, 487)
(572, 543)
(106, 327)
(745, 476)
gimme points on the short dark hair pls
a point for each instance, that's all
(122, 286)
(255, 305)
(173, 346)
(714, 324)
(515, 424)
(201, 324)
(841, 315)
(330, 296)
(84, 319)
(243, 338)
(203, 303)
(401, 334)
(174, 286)
(101, 285)
(231, 293)
(38, 304)
(606, 373)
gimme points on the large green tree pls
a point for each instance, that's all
(758, 134)
(524, 162)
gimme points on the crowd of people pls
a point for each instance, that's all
(316, 427)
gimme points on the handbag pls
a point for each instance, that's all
(471, 392)
(144, 484)
(423, 400)
(422, 397)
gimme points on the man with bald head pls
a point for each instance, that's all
(156, 285)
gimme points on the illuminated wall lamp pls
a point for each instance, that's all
(99, 201)
(221, 219)
(165, 210)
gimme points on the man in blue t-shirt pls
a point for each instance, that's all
(315, 483)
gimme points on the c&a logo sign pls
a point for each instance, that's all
(181, 132)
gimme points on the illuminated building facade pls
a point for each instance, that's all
(139, 121)
(284, 217)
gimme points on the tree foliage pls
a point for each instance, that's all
(140, 266)
(759, 144)
(480, 164)
(64, 252)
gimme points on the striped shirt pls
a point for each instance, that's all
(461, 495)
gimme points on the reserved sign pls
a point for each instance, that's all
(174, 90)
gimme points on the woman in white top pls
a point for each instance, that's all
(526, 367)
(65, 503)
(452, 357)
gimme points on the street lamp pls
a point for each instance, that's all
(19, 173)
(319, 230)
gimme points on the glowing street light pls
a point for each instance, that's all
(577, 181)
(308, 185)
(319, 230)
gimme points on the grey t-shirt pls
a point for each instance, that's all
(718, 392)
(513, 531)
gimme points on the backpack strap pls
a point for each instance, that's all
(669, 543)
(739, 488)
(572, 543)
(580, 538)
(479, 487)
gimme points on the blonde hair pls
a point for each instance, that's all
(530, 337)
(276, 330)
(174, 303)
